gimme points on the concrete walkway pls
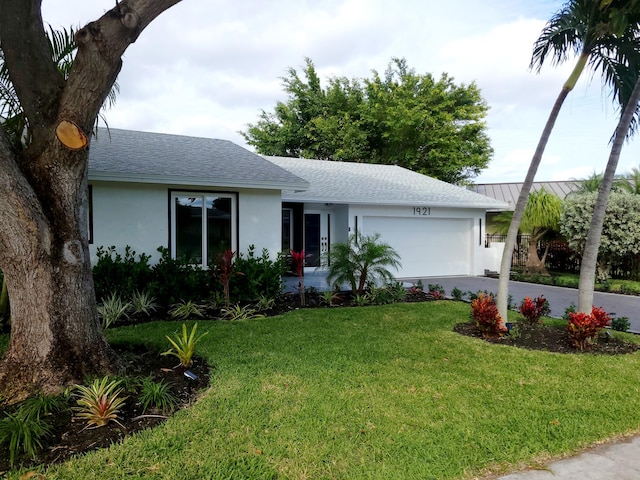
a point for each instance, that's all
(615, 461)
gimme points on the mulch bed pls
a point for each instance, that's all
(551, 339)
(71, 436)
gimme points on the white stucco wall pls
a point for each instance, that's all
(137, 215)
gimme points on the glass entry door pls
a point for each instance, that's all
(317, 233)
(312, 243)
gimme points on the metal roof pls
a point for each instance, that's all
(133, 156)
(509, 192)
(366, 183)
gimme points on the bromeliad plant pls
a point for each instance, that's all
(100, 402)
(297, 265)
(584, 327)
(485, 312)
(184, 345)
(534, 309)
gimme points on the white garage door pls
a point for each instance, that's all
(427, 246)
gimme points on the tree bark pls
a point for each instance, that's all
(56, 338)
(592, 244)
(512, 233)
(534, 266)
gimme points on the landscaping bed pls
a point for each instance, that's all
(551, 338)
(71, 436)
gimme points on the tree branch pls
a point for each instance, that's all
(33, 73)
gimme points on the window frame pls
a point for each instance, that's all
(173, 194)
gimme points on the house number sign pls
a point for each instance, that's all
(422, 211)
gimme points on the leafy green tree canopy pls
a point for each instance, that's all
(620, 230)
(427, 125)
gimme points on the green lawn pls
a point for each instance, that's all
(373, 392)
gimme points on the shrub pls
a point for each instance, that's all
(437, 291)
(456, 293)
(184, 346)
(100, 402)
(257, 276)
(620, 324)
(534, 309)
(568, 311)
(175, 279)
(485, 312)
(120, 274)
(583, 327)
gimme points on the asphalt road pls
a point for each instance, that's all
(559, 297)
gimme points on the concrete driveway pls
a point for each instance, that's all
(559, 297)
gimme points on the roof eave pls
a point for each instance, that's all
(395, 203)
(195, 181)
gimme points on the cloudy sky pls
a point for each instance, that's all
(208, 67)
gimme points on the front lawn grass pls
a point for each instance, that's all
(384, 392)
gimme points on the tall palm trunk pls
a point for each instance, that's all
(512, 234)
(590, 254)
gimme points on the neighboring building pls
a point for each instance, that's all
(199, 196)
(509, 193)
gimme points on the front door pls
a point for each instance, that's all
(316, 236)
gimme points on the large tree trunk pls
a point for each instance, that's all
(592, 245)
(512, 233)
(534, 266)
(55, 335)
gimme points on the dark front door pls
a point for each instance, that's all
(312, 239)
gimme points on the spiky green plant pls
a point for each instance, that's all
(23, 432)
(41, 405)
(184, 345)
(240, 312)
(184, 310)
(157, 395)
(100, 402)
(112, 309)
(265, 303)
(143, 303)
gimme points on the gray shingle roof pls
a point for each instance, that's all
(364, 183)
(509, 192)
(127, 155)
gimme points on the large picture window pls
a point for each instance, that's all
(203, 226)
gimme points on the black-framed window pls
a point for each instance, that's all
(203, 225)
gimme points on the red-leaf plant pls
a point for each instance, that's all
(533, 309)
(583, 327)
(225, 270)
(297, 262)
(485, 312)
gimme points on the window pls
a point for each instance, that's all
(287, 229)
(203, 225)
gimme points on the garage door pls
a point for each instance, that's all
(427, 246)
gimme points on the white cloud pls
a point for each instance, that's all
(207, 67)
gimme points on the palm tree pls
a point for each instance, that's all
(585, 27)
(592, 244)
(631, 182)
(360, 261)
(541, 219)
